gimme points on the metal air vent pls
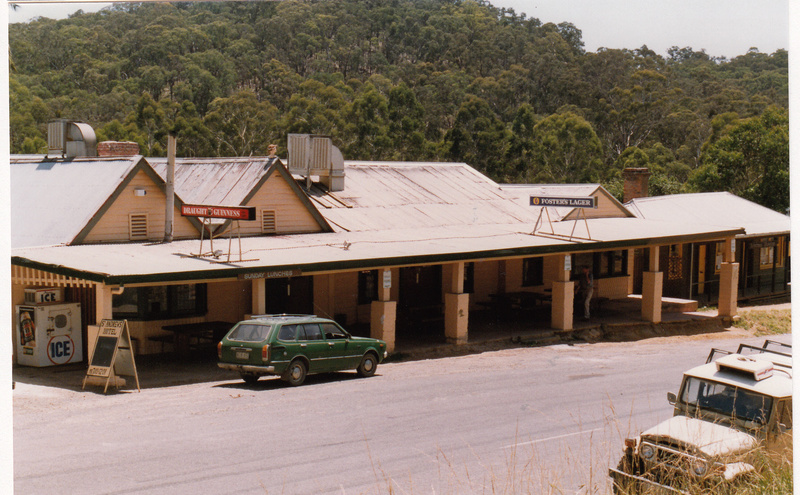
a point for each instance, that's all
(69, 139)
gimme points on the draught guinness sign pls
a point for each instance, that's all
(227, 212)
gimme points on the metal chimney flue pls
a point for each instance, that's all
(169, 213)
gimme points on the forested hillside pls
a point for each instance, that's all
(450, 80)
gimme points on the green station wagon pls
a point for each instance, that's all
(292, 346)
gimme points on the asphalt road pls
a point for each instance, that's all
(528, 420)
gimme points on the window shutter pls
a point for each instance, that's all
(137, 224)
(268, 221)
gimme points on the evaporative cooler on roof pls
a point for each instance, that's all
(314, 155)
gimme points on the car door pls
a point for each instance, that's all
(285, 347)
(344, 353)
(313, 346)
(779, 434)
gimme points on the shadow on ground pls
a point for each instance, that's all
(618, 322)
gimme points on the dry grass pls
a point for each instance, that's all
(528, 469)
(773, 322)
(772, 477)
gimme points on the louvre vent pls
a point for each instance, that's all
(268, 221)
(138, 226)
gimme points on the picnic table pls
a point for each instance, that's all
(197, 336)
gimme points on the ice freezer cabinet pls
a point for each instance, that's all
(49, 334)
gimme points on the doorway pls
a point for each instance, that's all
(420, 312)
(293, 295)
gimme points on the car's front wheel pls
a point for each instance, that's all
(295, 374)
(369, 363)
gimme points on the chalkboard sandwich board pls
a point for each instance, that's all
(112, 354)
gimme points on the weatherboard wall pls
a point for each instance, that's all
(114, 223)
(277, 197)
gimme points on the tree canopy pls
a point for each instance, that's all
(461, 80)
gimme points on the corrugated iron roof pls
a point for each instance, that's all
(384, 195)
(214, 181)
(53, 199)
(390, 214)
(715, 209)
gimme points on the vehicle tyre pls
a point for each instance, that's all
(369, 363)
(622, 485)
(250, 378)
(295, 374)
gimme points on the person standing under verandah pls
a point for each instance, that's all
(585, 290)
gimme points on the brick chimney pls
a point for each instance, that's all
(636, 182)
(117, 148)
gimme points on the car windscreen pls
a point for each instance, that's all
(249, 332)
(727, 399)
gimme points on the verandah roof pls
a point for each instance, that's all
(132, 263)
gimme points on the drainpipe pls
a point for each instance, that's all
(169, 214)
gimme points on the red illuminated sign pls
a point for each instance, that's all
(228, 212)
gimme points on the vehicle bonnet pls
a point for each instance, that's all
(711, 439)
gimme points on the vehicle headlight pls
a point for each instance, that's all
(699, 467)
(647, 452)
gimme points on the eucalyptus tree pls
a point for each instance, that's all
(750, 158)
(479, 137)
(406, 124)
(566, 149)
(241, 125)
(368, 124)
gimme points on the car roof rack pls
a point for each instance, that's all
(780, 345)
(778, 358)
(281, 315)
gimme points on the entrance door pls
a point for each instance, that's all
(293, 295)
(420, 312)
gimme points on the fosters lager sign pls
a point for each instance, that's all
(567, 202)
(227, 212)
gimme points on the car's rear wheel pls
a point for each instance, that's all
(295, 374)
(250, 378)
(369, 363)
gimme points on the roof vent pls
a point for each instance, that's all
(70, 138)
(754, 368)
(315, 155)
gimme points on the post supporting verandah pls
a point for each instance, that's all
(456, 306)
(383, 311)
(104, 300)
(728, 280)
(563, 294)
(652, 288)
(259, 296)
